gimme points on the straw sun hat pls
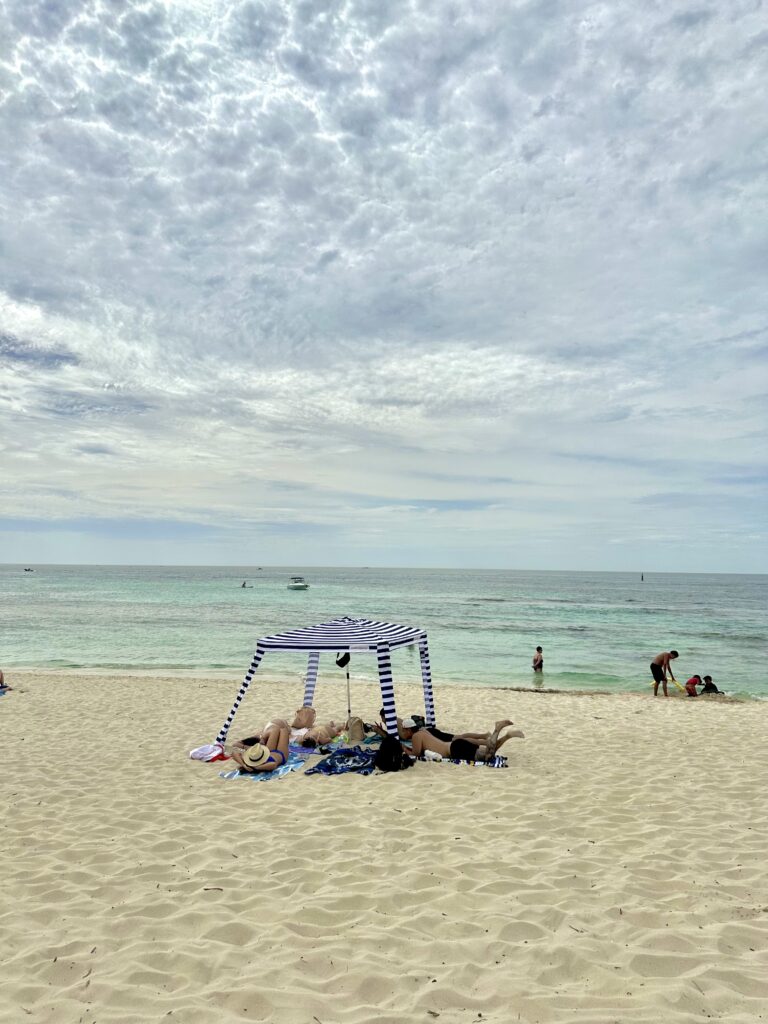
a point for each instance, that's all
(256, 755)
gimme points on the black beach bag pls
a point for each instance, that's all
(391, 757)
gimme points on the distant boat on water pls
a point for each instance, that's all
(298, 583)
(29, 570)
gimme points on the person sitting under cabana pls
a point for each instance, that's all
(463, 746)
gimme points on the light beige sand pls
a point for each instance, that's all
(615, 872)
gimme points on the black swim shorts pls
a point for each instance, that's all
(464, 750)
(446, 737)
(656, 672)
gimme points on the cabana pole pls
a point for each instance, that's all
(387, 688)
(426, 678)
(311, 681)
(241, 693)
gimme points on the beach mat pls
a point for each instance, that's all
(291, 765)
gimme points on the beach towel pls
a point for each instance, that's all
(344, 760)
(290, 765)
(499, 761)
(328, 748)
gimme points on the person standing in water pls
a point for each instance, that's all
(660, 668)
(538, 660)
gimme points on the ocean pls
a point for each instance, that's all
(599, 630)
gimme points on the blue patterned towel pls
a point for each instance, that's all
(290, 765)
(343, 760)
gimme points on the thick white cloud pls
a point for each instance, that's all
(458, 284)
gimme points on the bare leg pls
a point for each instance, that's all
(277, 739)
(655, 688)
(493, 738)
(271, 739)
(487, 753)
(664, 687)
(282, 742)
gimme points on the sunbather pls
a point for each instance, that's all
(255, 756)
(320, 735)
(410, 727)
(482, 747)
(302, 730)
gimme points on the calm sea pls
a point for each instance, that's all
(598, 630)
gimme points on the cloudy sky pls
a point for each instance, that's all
(384, 282)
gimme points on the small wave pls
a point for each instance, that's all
(743, 638)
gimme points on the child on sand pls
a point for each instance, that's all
(691, 684)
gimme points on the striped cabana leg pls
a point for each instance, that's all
(387, 688)
(240, 694)
(311, 681)
(426, 678)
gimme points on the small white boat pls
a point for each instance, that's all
(298, 583)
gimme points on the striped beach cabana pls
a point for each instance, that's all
(354, 636)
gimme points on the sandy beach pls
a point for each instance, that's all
(615, 871)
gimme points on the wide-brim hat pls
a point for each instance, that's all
(256, 755)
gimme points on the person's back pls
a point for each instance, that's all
(660, 667)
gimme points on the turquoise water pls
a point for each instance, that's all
(598, 630)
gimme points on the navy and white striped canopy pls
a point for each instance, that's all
(343, 634)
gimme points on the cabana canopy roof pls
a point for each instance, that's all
(344, 634)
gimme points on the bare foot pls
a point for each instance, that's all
(493, 739)
(509, 734)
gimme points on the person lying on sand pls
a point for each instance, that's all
(482, 747)
(321, 735)
(254, 756)
(302, 730)
(410, 726)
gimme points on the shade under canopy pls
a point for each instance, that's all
(363, 636)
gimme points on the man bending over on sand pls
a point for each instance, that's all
(660, 667)
(469, 746)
